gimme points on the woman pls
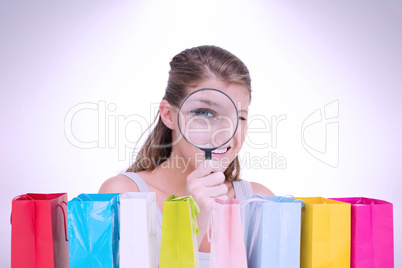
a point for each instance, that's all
(167, 164)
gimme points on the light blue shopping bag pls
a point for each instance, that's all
(272, 231)
(93, 231)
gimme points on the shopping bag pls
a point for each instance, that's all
(272, 231)
(93, 230)
(138, 244)
(39, 231)
(372, 233)
(225, 233)
(325, 233)
(179, 233)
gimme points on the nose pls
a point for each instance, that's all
(223, 129)
(220, 137)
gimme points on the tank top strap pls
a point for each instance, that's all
(141, 184)
(242, 189)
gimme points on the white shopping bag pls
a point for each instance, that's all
(138, 244)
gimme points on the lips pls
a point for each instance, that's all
(220, 151)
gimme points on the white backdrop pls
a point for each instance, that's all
(80, 80)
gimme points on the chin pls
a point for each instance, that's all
(224, 161)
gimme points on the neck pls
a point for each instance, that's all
(174, 172)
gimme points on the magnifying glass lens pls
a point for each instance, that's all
(208, 119)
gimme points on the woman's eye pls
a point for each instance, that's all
(202, 112)
(242, 118)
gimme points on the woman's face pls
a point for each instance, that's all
(193, 156)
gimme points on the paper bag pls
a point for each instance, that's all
(372, 233)
(272, 231)
(226, 235)
(325, 233)
(93, 230)
(179, 233)
(39, 231)
(138, 244)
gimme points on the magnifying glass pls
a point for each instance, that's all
(208, 119)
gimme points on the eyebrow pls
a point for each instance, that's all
(213, 103)
(208, 102)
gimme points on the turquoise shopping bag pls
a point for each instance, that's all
(93, 231)
(272, 231)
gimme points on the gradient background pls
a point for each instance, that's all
(113, 56)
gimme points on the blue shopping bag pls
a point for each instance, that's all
(93, 230)
(272, 231)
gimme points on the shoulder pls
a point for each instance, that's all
(118, 184)
(261, 189)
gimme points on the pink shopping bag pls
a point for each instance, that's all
(372, 236)
(226, 235)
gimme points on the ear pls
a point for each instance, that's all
(167, 115)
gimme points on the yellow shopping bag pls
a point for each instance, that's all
(325, 233)
(179, 233)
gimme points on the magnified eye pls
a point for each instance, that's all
(203, 112)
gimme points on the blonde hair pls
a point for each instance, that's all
(187, 69)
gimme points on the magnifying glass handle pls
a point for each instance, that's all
(208, 154)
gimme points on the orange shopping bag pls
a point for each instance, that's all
(325, 233)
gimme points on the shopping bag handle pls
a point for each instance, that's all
(269, 201)
(210, 223)
(65, 220)
(22, 196)
(210, 235)
(255, 199)
(79, 197)
(294, 199)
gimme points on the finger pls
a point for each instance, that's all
(201, 184)
(207, 167)
(213, 179)
(217, 191)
